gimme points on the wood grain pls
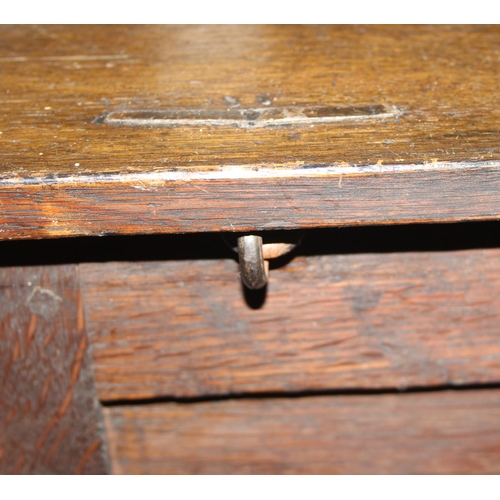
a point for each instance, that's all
(50, 418)
(152, 207)
(443, 432)
(438, 160)
(388, 320)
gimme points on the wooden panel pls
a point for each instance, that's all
(57, 160)
(160, 206)
(442, 432)
(183, 328)
(50, 418)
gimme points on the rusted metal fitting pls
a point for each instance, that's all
(254, 255)
(254, 269)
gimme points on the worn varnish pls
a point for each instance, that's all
(61, 154)
(171, 129)
(255, 204)
(397, 320)
(50, 418)
(443, 432)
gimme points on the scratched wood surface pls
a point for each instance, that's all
(442, 432)
(69, 144)
(50, 418)
(389, 320)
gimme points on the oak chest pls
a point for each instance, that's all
(132, 158)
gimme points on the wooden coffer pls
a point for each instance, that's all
(129, 158)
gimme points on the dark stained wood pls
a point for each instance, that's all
(443, 78)
(442, 432)
(155, 206)
(50, 418)
(171, 129)
(397, 320)
(436, 159)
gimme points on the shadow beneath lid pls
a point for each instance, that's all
(207, 246)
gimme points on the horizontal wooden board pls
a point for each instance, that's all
(150, 206)
(387, 320)
(50, 417)
(436, 157)
(57, 79)
(444, 432)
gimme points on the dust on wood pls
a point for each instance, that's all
(50, 420)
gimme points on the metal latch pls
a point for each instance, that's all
(254, 254)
